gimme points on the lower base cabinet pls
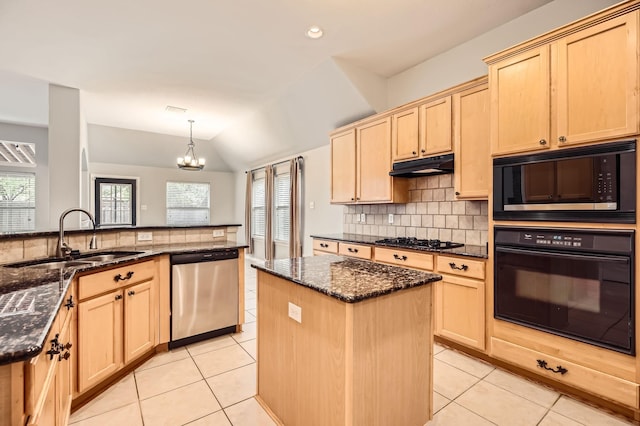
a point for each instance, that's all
(117, 326)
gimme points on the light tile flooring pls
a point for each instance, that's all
(213, 383)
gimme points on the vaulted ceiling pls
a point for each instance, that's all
(223, 60)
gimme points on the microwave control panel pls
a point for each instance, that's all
(606, 187)
(556, 239)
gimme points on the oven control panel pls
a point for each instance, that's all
(564, 239)
(557, 239)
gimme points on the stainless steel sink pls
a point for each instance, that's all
(57, 264)
(88, 259)
(103, 257)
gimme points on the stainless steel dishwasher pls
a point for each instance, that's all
(204, 295)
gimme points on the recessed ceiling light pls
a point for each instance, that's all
(314, 32)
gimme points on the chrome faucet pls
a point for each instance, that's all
(63, 248)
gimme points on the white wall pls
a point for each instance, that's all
(464, 62)
(152, 190)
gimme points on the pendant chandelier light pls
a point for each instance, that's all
(190, 161)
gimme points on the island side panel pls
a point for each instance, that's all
(392, 358)
(301, 366)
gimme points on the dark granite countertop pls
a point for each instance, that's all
(24, 327)
(347, 279)
(466, 250)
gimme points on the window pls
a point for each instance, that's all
(282, 201)
(17, 202)
(188, 203)
(258, 205)
(115, 201)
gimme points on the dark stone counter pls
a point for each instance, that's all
(347, 279)
(30, 297)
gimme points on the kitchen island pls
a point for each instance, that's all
(344, 341)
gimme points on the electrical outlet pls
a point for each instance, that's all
(218, 232)
(363, 217)
(312, 205)
(295, 312)
(145, 236)
(390, 217)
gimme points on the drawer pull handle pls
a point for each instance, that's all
(118, 296)
(559, 369)
(323, 245)
(70, 303)
(119, 277)
(352, 250)
(131, 293)
(398, 257)
(460, 268)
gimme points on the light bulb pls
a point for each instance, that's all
(180, 160)
(201, 161)
(194, 162)
(187, 158)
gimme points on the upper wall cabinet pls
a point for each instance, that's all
(471, 175)
(360, 165)
(423, 130)
(575, 85)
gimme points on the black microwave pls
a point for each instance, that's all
(587, 184)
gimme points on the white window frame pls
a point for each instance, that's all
(12, 227)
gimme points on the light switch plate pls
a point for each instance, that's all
(295, 312)
(145, 236)
(363, 217)
(390, 217)
(218, 232)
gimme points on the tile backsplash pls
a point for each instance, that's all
(432, 213)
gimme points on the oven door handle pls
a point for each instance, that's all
(617, 259)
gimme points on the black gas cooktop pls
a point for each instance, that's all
(421, 244)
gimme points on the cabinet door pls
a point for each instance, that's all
(597, 80)
(459, 310)
(99, 338)
(471, 136)
(404, 134)
(138, 320)
(435, 127)
(343, 167)
(520, 102)
(374, 161)
(63, 374)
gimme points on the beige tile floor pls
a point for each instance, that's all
(213, 383)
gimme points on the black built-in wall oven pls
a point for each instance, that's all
(587, 184)
(574, 283)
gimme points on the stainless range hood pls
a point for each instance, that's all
(437, 165)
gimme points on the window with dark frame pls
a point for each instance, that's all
(115, 202)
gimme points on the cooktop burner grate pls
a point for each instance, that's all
(414, 242)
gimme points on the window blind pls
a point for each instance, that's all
(282, 200)
(17, 201)
(188, 203)
(258, 206)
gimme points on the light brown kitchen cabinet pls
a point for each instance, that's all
(48, 377)
(116, 320)
(321, 247)
(404, 136)
(361, 251)
(520, 102)
(360, 165)
(435, 127)
(597, 82)
(343, 167)
(472, 177)
(459, 300)
(572, 86)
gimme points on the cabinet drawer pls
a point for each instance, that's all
(102, 282)
(586, 379)
(410, 259)
(326, 246)
(41, 369)
(355, 250)
(460, 266)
